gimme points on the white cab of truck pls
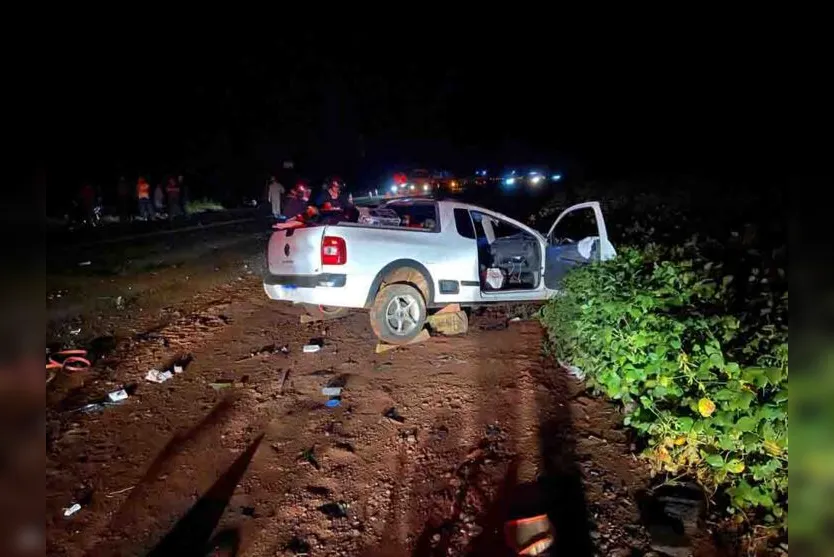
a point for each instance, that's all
(408, 256)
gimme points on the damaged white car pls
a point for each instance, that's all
(407, 256)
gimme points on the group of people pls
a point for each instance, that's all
(147, 202)
(172, 199)
(298, 203)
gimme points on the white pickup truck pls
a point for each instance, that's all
(407, 256)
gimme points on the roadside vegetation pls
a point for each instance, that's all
(688, 329)
(203, 205)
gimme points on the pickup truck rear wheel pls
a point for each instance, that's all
(325, 312)
(398, 314)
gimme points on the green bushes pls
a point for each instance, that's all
(701, 370)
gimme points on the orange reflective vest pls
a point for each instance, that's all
(143, 190)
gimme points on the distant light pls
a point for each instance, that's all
(556, 177)
(532, 172)
(509, 181)
(394, 188)
(535, 179)
(411, 186)
(513, 172)
(425, 187)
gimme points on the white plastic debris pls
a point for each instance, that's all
(75, 332)
(177, 369)
(156, 376)
(575, 372)
(331, 391)
(310, 348)
(71, 510)
(116, 396)
(85, 263)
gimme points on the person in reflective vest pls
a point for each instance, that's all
(143, 193)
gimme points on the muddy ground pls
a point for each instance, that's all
(432, 448)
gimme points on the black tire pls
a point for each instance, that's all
(398, 303)
(325, 312)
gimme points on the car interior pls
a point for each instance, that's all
(563, 252)
(508, 257)
(418, 216)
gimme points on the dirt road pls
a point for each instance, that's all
(483, 427)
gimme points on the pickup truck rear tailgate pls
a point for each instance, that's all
(295, 251)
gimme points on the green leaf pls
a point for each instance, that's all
(685, 424)
(774, 375)
(746, 423)
(735, 466)
(715, 460)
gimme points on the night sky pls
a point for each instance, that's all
(363, 107)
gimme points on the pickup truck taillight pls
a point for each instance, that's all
(333, 251)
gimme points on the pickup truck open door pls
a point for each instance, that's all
(573, 240)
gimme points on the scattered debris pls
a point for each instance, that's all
(333, 403)
(574, 371)
(156, 376)
(334, 510)
(120, 491)
(222, 384)
(345, 447)
(298, 546)
(515, 320)
(393, 415)
(95, 407)
(331, 391)
(84, 263)
(422, 337)
(283, 381)
(308, 455)
(120, 302)
(310, 348)
(265, 351)
(178, 368)
(72, 509)
(75, 332)
(409, 436)
(117, 396)
(68, 360)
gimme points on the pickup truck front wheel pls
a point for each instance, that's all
(398, 314)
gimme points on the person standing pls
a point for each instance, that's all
(173, 191)
(184, 194)
(274, 193)
(123, 196)
(333, 198)
(159, 199)
(143, 194)
(88, 201)
(297, 201)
